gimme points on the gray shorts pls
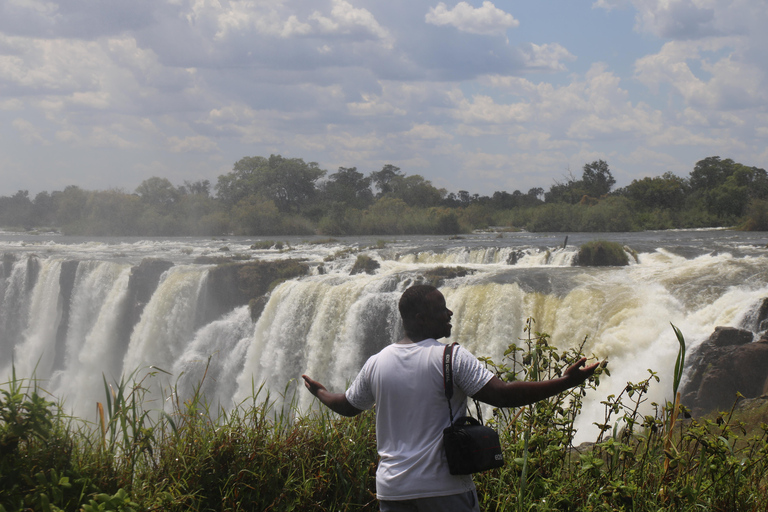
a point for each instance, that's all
(465, 502)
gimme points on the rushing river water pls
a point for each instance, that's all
(64, 303)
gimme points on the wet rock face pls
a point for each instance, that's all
(142, 283)
(6, 264)
(727, 363)
(66, 286)
(236, 284)
(761, 320)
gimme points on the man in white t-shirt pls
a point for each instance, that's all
(405, 381)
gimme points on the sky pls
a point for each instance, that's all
(472, 95)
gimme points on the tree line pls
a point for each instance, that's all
(288, 196)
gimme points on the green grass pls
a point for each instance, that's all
(267, 455)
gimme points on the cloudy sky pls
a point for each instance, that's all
(473, 95)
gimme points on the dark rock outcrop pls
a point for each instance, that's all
(66, 286)
(436, 276)
(761, 318)
(601, 253)
(236, 284)
(725, 364)
(364, 264)
(142, 283)
(6, 264)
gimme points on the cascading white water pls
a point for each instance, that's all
(35, 354)
(15, 308)
(327, 323)
(214, 358)
(99, 296)
(166, 326)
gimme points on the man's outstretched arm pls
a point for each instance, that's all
(516, 394)
(337, 402)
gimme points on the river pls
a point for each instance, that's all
(326, 324)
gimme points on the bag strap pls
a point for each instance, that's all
(448, 381)
(448, 376)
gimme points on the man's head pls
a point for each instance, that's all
(424, 313)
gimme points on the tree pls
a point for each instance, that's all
(414, 190)
(725, 187)
(597, 179)
(348, 187)
(667, 191)
(197, 188)
(158, 192)
(709, 173)
(383, 179)
(16, 210)
(44, 208)
(289, 182)
(71, 206)
(535, 194)
(569, 191)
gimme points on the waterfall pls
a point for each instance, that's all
(325, 326)
(167, 324)
(99, 301)
(214, 359)
(35, 354)
(73, 321)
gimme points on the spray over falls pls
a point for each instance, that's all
(76, 314)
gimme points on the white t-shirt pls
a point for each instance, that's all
(405, 381)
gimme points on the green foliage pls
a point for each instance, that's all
(757, 215)
(266, 455)
(601, 253)
(288, 182)
(667, 192)
(285, 196)
(349, 188)
(597, 178)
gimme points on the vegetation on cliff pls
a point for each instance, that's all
(601, 253)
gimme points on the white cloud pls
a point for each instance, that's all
(194, 144)
(727, 82)
(540, 140)
(426, 131)
(374, 105)
(346, 19)
(11, 104)
(484, 109)
(546, 57)
(485, 20)
(194, 84)
(29, 132)
(677, 18)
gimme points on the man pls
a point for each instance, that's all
(405, 381)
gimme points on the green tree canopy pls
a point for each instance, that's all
(289, 182)
(348, 187)
(158, 192)
(414, 190)
(667, 191)
(597, 178)
(710, 173)
(383, 179)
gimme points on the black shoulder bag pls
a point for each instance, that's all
(470, 446)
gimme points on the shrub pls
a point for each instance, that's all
(600, 253)
(266, 455)
(364, 263)
(757, 215)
